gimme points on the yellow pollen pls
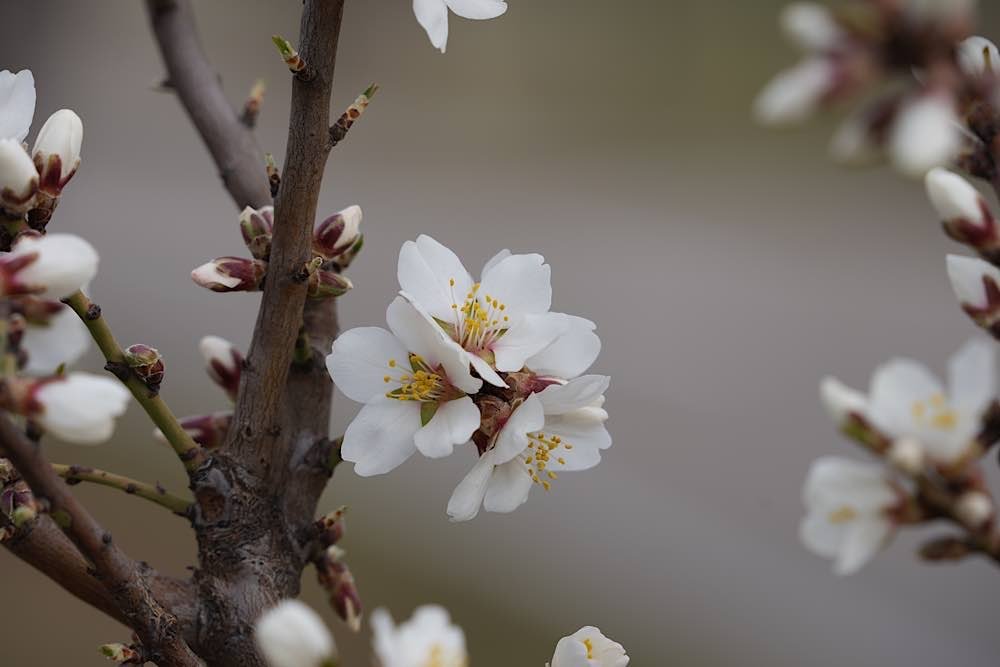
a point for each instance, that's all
(590, 648)
(842, 515)
(935, 412)
(386, 378)
(392, 363)
(451, 281)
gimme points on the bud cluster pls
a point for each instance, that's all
(17, 503)
(336, 241)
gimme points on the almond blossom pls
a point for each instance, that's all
(415, 388)
(59, 339)
(293, 635)
(79, 407)
(52, 266)
(978, 56)
(905, 400)
(588, 647)
(427, 639)
(559, 429)
(432, 15)
(17, 104)
(497, 323)
(849, 509)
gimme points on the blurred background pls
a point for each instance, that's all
(728, 268)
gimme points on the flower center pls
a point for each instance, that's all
(543, 454)
(590, 648)
(422, 383)
(935, 412)
(842, 515)
(480, 320)
(438, 657)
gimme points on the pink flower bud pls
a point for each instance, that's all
(231, 274)
(338, 233)
(336, 578)
(223, 363)
(209, 431)
(324, 284)
(331, 527)
(147, 363)
(966, 215)
(257, 226)
(53, 266)
(57, 151)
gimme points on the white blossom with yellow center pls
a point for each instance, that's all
(588, 647)
(414, 384)
(559, 429)
(848, 506)
(498, 322)
(905, 400)
(427, 639)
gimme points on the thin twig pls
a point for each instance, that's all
(151, 492)
(187, 449)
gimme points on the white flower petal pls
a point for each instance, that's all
(522, 282)
(359, 362)
(794, 94)
(840, 400)
(477, 9)
(65, 263)
(62, 341)
(578, 393)
(821, 536)
(528, 336)
(486, 371)
(452, 424)
(17, 104)
(468, 495)
(381, 437)
(81, 407)
(966, 275)
(587, 438)
(496, 259)
(972, 376)
(293, 635)
(953, 197)
(588, 647)
(432, 15)
(508, 488)
(834, 480)
(925, 135)
(425, 271)
(895, 387)
(862, 540)
(513, 437)
(978, 56)
(570, 354)
(810, 26)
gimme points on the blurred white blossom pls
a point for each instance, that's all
(588, 647)
(293, 635)
(427, 639)
(433, 15)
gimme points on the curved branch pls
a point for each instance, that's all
(74, 474)
(125, 580)
(231, 143)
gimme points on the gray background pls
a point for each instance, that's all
(728, 267)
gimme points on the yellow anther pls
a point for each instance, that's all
(392, 363)
(842, 515)
(590, 648)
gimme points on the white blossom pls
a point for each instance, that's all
(905, 400)
(79, 407)
(848, 506)
(974, 508)
(62, 264)
(499, 322)
(841, 401)
(427, 639)
(433, 15)
(588, 647)
(414, 385)
(955, 199)
(56, 153)
(17, 104)
(558, 429)
(926, 134)
(63, 339)
(293, 635)
(969, 277)
(794, 94)
(978, 56)
(18, 177)
(810, 26)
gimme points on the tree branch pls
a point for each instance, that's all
(73, 474)
(231, 143)
(258, 423)
(127, 582)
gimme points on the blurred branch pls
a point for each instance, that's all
(74, 474)
(127, 583)
(230, 142)
(159, 413)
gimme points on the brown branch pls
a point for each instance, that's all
(255, 439)
(231, 143)
(126, 582)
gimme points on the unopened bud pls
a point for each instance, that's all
(147, 363)
(907, 454)
(976, 283)
(57, 151)
(794, 94)
(966, 215)
(335, 235)
(209, 431)
(122, 654)
(332, 526)
(974, 509)
(926, 134)
(945, 549)
(53, 266)
(22, 515)
(324, 284)
(231, 274)
(289, 54)
(273, 175)
(811, 26)
(257, 226)
(18, 178)
(841, 402)
(224, 363)
(18, 503)
(336, 578)
(978, 57)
